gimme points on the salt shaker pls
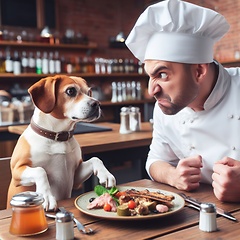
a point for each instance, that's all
(207, 219)
(135, 119)
(124, 121)
(64, 226)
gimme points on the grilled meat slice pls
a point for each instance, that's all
(157, 196)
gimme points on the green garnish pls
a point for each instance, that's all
(99, 190)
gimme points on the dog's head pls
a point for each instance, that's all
(65, 97)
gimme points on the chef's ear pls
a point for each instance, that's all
(201, 70)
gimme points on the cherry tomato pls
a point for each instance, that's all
(119, 194)
(131, 204)
(107, 207)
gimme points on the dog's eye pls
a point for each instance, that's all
(71, 92)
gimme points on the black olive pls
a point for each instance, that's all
(91, 199)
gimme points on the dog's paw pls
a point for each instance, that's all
(106, 178)
(49, 203)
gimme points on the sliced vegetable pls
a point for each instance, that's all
(123, 210)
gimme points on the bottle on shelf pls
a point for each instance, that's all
(45, 64)
(24, 62)
(126, 65)
(114, 92)
(51, 63)
(16, 63)
(31, 63)
(97, 66)
(8, 62)
(124, 91)
(90, 65)
(2, 62)
(109, 66)
(69, 66)
(139, 91)
(38, 63)
(57, 62)
(63, 65)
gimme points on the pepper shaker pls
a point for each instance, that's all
(124, 121)
(64, 226)
(135, 119)
(207, 219)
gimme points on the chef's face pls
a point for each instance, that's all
(173, 85)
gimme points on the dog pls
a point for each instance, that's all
(47, 158)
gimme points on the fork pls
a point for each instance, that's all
(79, 225)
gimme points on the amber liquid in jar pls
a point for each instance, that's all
(28, 217)
(28, 220)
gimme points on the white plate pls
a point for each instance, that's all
(82, 201)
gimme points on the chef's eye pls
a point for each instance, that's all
(71, 92)
(163, 75)
(89, 93)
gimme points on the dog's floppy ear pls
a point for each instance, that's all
(43, 94)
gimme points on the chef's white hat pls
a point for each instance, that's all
(176, 31)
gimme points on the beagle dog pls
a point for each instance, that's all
(47, 158)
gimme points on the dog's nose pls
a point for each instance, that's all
(94, 103)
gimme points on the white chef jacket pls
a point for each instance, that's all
(213, 133)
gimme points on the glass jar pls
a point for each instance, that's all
(28, 217)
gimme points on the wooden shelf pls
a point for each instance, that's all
(91, 45)
(26, 76)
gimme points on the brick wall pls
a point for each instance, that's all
(227, 47)
(103, 19)
(100, 20)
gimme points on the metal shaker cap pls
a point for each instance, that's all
(124, 109)
(64, 216)
(135, 109)
(26, 199)
(208, 207)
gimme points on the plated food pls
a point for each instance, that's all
(128, 203)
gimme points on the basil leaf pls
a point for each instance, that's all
(113, 190)
(99, 190)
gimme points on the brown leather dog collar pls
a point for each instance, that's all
(56, 136)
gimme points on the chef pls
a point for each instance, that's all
(196, 131)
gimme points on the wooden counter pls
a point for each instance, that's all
(181, 225)
(107, 140)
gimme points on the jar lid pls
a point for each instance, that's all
(208, 207)
(64, 216)
(26, 199)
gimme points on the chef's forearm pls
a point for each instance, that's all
(163, 172)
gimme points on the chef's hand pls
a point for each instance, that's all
(188, 173)
(226, 180)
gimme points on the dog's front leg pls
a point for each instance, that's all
(94, 166)
(39, 177)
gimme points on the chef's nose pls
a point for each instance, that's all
(153, 88)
